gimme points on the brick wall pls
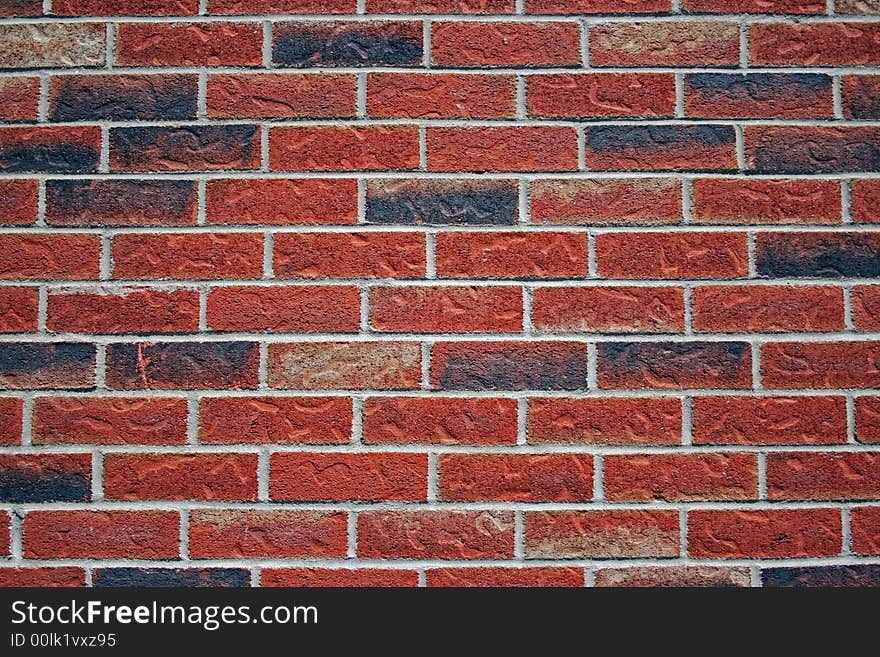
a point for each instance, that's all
(440, 292)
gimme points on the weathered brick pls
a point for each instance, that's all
(170, 577)
(672, 255)
(674, 365)
(109, 421)
(19, 97)
(516, 477)
(102, 534)
(505, 577)
(767, 309)
(758, 95)
(19, 202)
(812, 149)
(125, 310)
(350, 255)
(442, 202)
(593, 95)
(11, 412)
(187, 255)
(814, 44)
(440, 420)
(18, 309)
(435, 534)
(661, 148)
(238, 533)
(441, 95)
(45, 477)
(305, 476)
(608, 309)
(441, 7)
(866, 530)
(857, 7)
(608, 421)
(521, 148)
(345, 365)
(180, 476)
(281, 6)
(299, 308)
(125, 7)
(47, 365)
(328, 44)
(674, 576)
(281, 96)
(122, 97)
(511, 255)
(778, 533)
(823, 476)
(336, 577)
(848, 576)
(302, 420)
(446, 309)
(52, 45)
(762, 201)
(337, 148)
(120, 202)
(504, 44)
(509, 366)
(820, 364)
(601, 534)
(769, 420)
(680, 477)
(49, 149)
(665, 44)
(606, 201)
(861, 96)
(278, 201)
(21, 8)
(818, 255)
(189, 44)
(756, 6)
(185, 148)
(185, 365)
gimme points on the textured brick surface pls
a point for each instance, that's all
(440, 293)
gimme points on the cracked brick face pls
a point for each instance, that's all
(445, 293)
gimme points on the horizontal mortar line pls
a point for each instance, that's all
(532, 449)
(405, 564)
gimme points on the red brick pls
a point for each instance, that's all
(755, 6)
(446, 309)
(664, 44)
(823, 476)
(435, 535)
(42, 577)
(609, 309)
(597, 6)
(243, 533)
(102, 535)
(18, 309)
(674, 576)
(180, 476)
(758, 95)
(125, 8)
(440, 420)
(601, 534)
(505, 44)
(303, 420)
(769, 420)
(10, 421)
(441, 7)
(5, 537)
(820, 365)
(608, 421)
(516, 477)
(606, 201)
(189, 44)
(336, 148)
(277, 201)
(109, 421)
(185, 148)
(521, 148)
(350, 255)
(767, 309)
(441, 96)
(865, 201)
(866, 530)
(183, 365)
(743, 201)
(124, 311)
(187, 255)
(338, 577)
(49, 257)
(661, 147)
(814, 44)
(591, 95)
(19, 199)
(860, 95)
(48, 149)
(300, 308)
(22, 8)
(672, 255)
(506, 577)
(866, 307)
(374, 477)
(51, 45)
(18, 98)
(281, 96)
(281, 6)
(868, 419)
(680, 477)
(345, 365)
(511, 255)
(768, 534)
